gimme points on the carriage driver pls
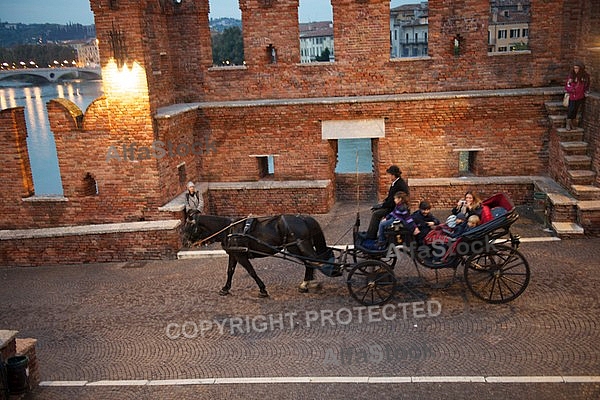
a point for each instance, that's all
(194, 204)
(381, 210)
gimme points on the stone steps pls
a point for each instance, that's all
(555, 107)
(574, 148)
(583, 214)
(578, 161)
(581, 176)
(586, 192)
(588, 215)
(574, 135)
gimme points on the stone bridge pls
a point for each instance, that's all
(53, 74)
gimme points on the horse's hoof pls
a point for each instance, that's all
(263, 294)
(223, 292)
(303, 289)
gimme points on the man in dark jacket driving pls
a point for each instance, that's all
(381, 210)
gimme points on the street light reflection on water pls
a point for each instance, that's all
(40, 140)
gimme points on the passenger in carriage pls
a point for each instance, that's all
(469, 205)
(399, 213)
(456, 225)
(473, 205)
(465, 226)
(425, 220)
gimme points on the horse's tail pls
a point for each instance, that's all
(318, 238)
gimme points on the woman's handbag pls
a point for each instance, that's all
(566, 100)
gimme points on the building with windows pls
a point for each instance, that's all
(87, 53)
(409, 28)
(508, 28)
(315, 37)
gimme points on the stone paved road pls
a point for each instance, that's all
(120, 322)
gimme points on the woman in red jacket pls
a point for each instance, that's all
(578, 86)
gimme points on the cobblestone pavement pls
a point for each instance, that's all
(124, 321)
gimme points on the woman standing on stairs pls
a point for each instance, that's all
(578, 86)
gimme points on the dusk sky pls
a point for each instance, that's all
(78, 11)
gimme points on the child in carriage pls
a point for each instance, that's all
(400, 213)
(425, 220)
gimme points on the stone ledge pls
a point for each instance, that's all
(7, 336)
(40, 199)
(173, 110)
(475, 180)
(567, 228)
(81, 230)
(590, 205)
(557, 195)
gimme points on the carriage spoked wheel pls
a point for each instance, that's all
(371, 282)
(498, 276)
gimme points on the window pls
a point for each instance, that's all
(466, 162)
(508, 19)
(90, 187)
(316, 35)
(409, 22)
(226, 37)
(181, 173)
(354, 155)
(266, 166)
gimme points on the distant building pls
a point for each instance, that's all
(409, 28)
(315, 37)
(87, 53)
(508, 28)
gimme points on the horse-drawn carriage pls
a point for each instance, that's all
(494, 270)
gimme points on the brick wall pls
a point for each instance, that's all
(445, 196)
(16, 180)
(294, 200)
(592, 131)
(172, 44)
(349, 187)
(93, 248)
(421, 136)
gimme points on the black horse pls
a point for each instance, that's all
(249, 238)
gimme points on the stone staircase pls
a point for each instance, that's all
(571, 167)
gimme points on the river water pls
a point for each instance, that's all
(353, 154)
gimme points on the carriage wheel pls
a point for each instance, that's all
(371, 282)
(498, 276)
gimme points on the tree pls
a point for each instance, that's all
(228, 47)
(42, 55)
(324, 55)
